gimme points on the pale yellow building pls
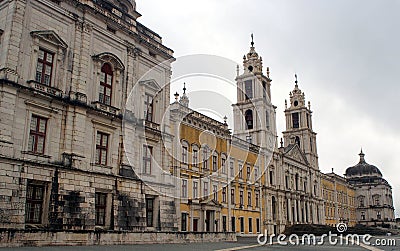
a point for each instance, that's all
(339, 200)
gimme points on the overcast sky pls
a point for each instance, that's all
(346, 54)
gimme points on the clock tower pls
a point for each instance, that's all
(299, 128)
(254, 114)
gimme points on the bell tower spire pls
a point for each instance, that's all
(299, 128)
(254, 114)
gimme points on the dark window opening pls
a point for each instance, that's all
(149, 212)
(295, 120)
(248, 88)
(249, 119)
(149, 109)
(250, 225)
(34, 203)
(184, 222)
(297, 141)
(100, 208)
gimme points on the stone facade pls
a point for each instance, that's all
(90, 143)
(374, 201)
(66, 69)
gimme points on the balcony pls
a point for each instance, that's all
(152, 125)
(106, 108)
(45, 88)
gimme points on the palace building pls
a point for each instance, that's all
(339, 200)
(66, 69)
(374, 201)
(90, 141)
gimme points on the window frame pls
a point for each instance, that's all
(45, 65)
(37, 134)
(99, 207)
(147, 159)
(30, 214)
(100, 148)
(104, 85)
(150, 212)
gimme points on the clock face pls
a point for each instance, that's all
(296, 103)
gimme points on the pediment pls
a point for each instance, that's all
(294, 152)
(152, 84)
(210, 202)
(111, 58)
(50, 36)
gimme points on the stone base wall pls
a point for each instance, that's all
(20, 238)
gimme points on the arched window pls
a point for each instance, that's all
(297, 141)
(106, 79)
(249, 119)
(267, 120)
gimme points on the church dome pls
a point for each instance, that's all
(363, 169)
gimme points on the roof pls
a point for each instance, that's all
(363, 169)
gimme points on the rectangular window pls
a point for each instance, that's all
(257, 200)
(250, 225)
(224, 194)
(215, 192)
(195, 190)
(184, 154)
(147, 153)
(149, 212)
(34, 203)
(100, 208)
(223, 167)
(258, 225)
(362, 215)
(248, 173)
(37, 135)
(248, 86)
(287, 182)
(241, 198)
(240, 171)
(271, 177)
(242, 224)
(106, 79)
(148, 107)
(195, 157)
(233, 196)
(255, 174)
(205, 189)
(184, 188)
(232, 169)
(205, 159)
(249, 199)
(214, 163)
(295, 120)
(101, 148)
(184, 222)
(44, 67)
(224, 223)
(233, 224)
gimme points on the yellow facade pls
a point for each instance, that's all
(339, 200)
(220, 178)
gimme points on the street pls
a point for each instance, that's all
(241, 244)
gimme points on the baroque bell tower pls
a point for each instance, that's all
(254, 114)
(299, 128)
